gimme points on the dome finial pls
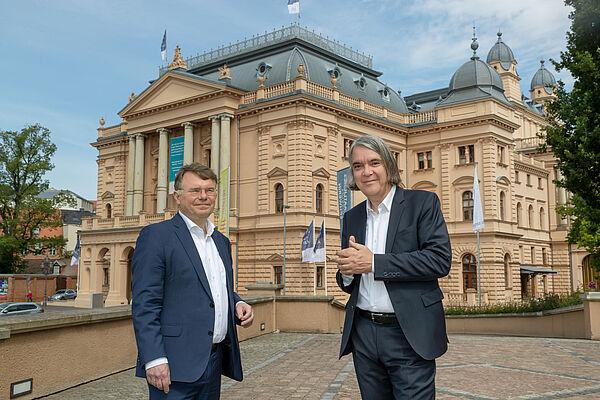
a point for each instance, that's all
(542, 62)
(499, 35)
(474, 46)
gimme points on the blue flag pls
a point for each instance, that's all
(307, 243)
(75, 258)
(319, 250)
(163, 46)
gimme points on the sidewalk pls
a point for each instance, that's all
(305, 366)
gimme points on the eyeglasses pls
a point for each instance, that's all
(195, 192)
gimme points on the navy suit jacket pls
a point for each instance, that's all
(417, 253)
(172, 307)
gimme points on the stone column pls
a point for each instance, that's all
(215, 143)
(138, 185)
(130, 175)
(562, 197)
(225, 148)
(163, 156)
(188, 142)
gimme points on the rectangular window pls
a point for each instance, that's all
(528, 180)
(421, 160)
(429, 159)
(278, 275)
(320, 277)
(462, 155)
(532, 255)
(521, 254)
(540, 183)
(471, 153)
(517, 177)
(52, 251)
(544, 257)
(207, 157)
(501, 154)
(347, 144)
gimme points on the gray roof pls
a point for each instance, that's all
(321, 58)
(426, 101)
(73, 217)
(51, 192)
(545, 78)
(501, 52)
(475, 80)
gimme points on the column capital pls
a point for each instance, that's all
(162, 131)
(224, 116)
(188, 124)
(139, 135)
(131, 136)
(214, 117)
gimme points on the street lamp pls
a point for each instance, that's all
(46, 266)
(285, 207)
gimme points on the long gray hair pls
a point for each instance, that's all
(376, 144)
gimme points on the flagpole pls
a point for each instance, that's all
(478, 272)
(314, 264)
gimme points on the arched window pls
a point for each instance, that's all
(469, 264)
(507, 271)
(108, 211)
(319, 199)
(278, 198)
(502, 206)
(519, 214)
(530, 216)
(542, 218)
(467, 205)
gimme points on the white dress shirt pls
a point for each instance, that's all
(215, 273)
(372, 294)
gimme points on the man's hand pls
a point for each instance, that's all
(244, 313)
(159, 377)
(356, 259)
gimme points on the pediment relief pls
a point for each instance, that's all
(107, 195)
(463, 180)
(321, 172)
(276, 257)
(275, 172)
(424, 185)
(169, 88)
(503, 180)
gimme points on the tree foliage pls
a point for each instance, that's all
(573, 131)
(25, 157)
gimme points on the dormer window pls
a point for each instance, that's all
(263, 69)
(385, 94)
(361, 83)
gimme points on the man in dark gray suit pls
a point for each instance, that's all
(395, 246)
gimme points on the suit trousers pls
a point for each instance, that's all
(386, 365)
(208, 387)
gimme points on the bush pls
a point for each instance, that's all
(549, 302)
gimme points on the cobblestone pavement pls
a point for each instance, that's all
(305, 366)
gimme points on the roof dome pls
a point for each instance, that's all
(545, 78)
(475, 73)
(501, 52)
(474, 80)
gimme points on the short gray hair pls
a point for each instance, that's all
(202, 171)
(376, 144)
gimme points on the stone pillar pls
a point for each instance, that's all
(215, 143)
(130, 175)
(138, 185)
(188, 142)
(225, 148)
(163, 157)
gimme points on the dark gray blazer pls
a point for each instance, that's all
(172, 308)
(417, 253)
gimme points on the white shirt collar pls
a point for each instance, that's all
(386, 204)
(210, 227)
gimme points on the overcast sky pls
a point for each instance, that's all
(66, 63)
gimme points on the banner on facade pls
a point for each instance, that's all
(344, 194)
(223, 217)
(175, 160)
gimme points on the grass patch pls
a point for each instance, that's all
(549, 302)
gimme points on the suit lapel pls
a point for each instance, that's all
(185, 237)
(395, 215)
(360, 230)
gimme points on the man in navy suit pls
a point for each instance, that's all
(184, 307)
(395, 246)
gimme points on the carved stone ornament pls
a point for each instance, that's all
(334, 82)
(301, 69)
(178, 61)
(132, 97)
(224, 72)
(102, 122)
(262, 79)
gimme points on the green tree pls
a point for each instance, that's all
(24, 160)
(573, 131)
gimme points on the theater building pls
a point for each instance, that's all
(279, 112)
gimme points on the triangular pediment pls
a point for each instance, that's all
(276, 257)
(168, 89)
(107, 195)
(276, 172)
(322, 172)
(424, 185)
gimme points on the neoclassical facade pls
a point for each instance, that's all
(280, 112)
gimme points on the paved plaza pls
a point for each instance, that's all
(305, 366)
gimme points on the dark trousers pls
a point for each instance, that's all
(208, 387)
(386, 365)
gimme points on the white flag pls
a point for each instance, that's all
(307, 244)
(294, 6)
(319, 250)
(75, 258)
(477, 210)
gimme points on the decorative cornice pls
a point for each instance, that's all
(300, 123)
(521, 166)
